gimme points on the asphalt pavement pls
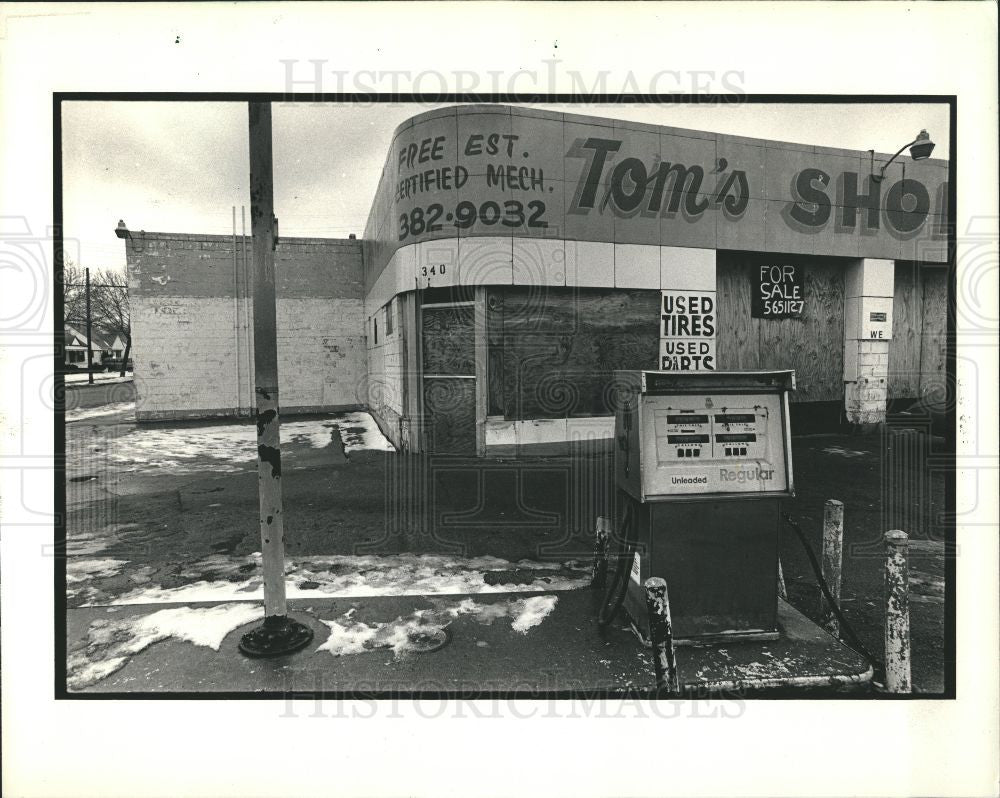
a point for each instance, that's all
(164, 517)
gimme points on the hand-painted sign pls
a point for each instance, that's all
(687, 331)
(498, 171)
(777, 291)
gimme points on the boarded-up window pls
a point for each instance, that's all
(449, 342)
(917, 352)
(552, 352)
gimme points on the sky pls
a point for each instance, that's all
(181, 167)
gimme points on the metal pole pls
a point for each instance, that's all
(833, 552)
(897, 613)
(661, 634)
(279, 634)
(236, 321)
(246, 303)
(90, 344)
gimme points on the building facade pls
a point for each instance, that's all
(192, 325)
(513, 259)
(521, 256)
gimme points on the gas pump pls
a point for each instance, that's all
(702, 462)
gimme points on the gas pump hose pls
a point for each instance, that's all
(878, 667)
(614, 596)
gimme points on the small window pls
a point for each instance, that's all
(375, 329)
(388, 318)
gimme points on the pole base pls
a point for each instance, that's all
(277, 636)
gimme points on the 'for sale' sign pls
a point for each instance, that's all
(778, 292)
(687, 331)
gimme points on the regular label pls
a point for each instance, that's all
(636, 569)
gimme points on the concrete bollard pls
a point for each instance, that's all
(833, 553)
(897, 613)
(599, 571)
(661, 634)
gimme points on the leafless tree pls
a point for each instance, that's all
(109, 304)
(74, 294)
(109, 307)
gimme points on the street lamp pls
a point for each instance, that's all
(920, 148)
(123, 232)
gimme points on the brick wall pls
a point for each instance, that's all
(868, 326)
(865, 396)
(192, 325)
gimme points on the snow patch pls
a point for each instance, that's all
(233, 447)
(107, 376)
(112, 643)
(532, 611)
(83, 413)
(348, 636)
(840, 451)
(85, 570)
(360, 431)
(220, 578)
(87, 542)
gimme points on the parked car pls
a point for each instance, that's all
(115, 364)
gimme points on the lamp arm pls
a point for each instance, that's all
(881, 175)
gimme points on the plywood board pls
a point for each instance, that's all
(813, 345)
(737, 338)
(904, 349)
(449, 343)
(560, 348)
(450, 408)
(933, 349)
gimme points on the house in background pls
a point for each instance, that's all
(114, 347)
(75, 344)
(75, 347)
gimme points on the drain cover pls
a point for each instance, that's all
(424, 641)
(418, 641)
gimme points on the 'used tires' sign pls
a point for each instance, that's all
(778, 291)
(687, 331)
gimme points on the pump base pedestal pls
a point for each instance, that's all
(277, 636)
(805, 656)
(750, 636)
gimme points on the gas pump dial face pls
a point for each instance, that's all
(718, 444)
